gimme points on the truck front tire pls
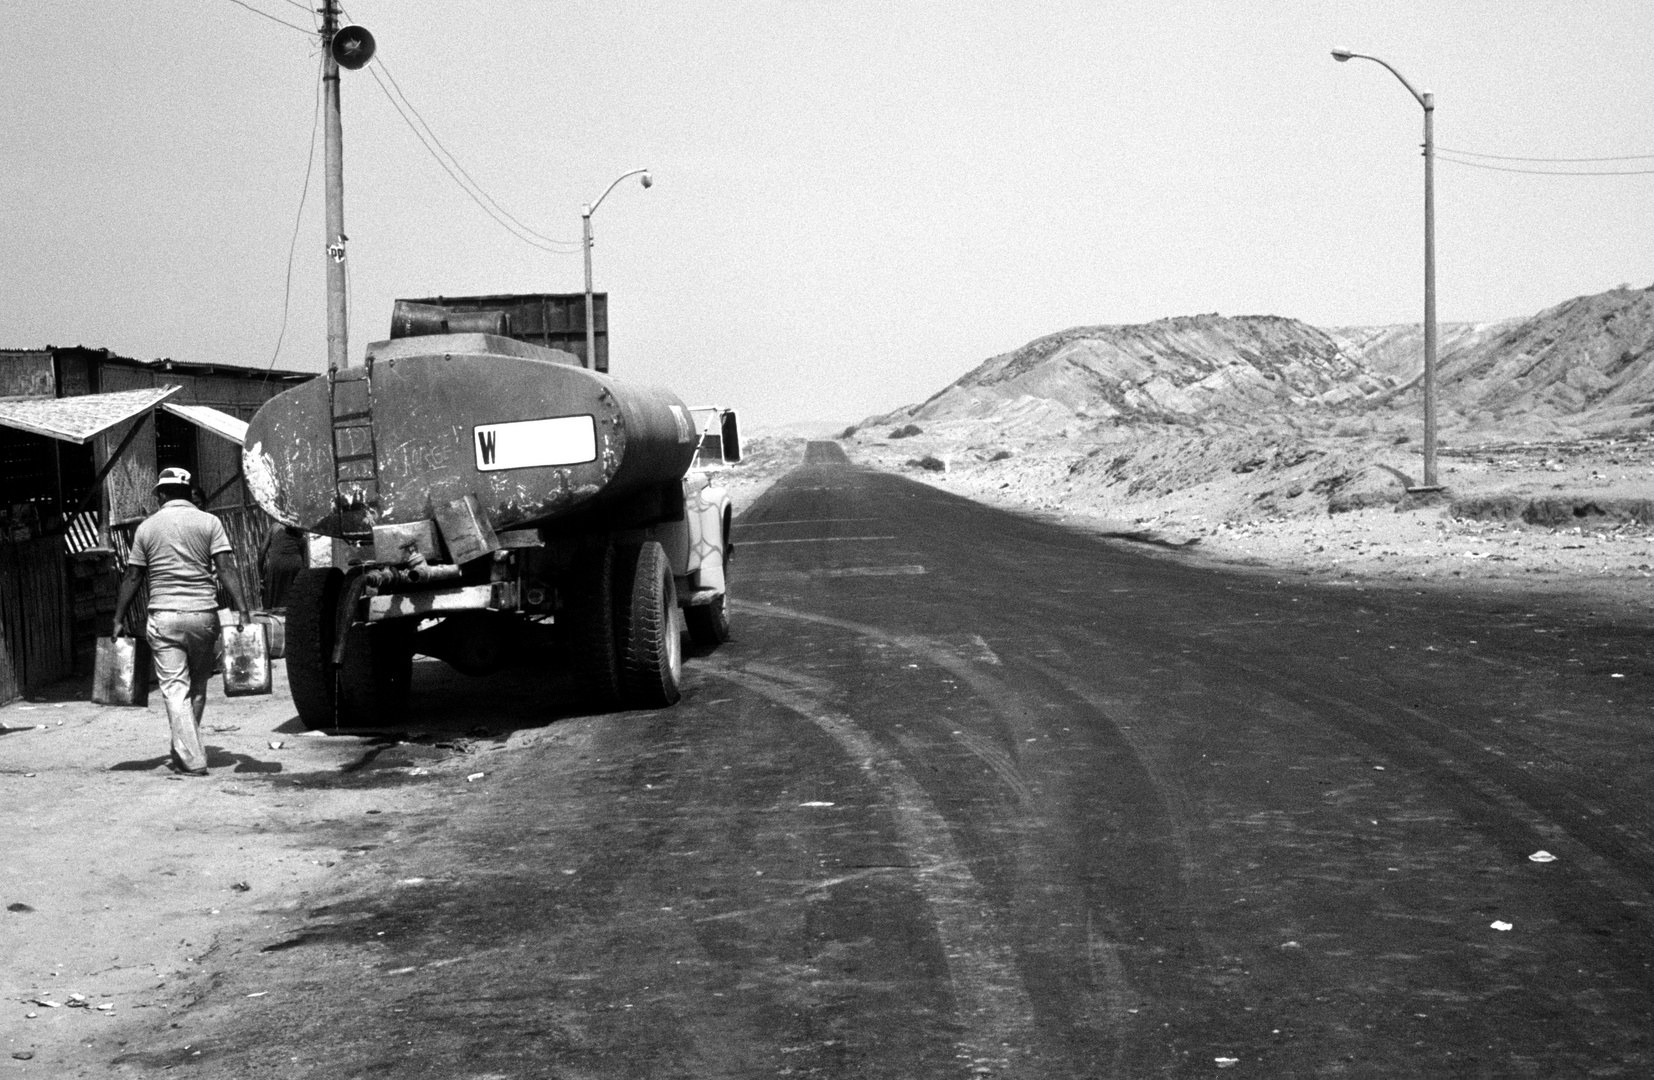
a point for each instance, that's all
(312, 613)
(646, 614)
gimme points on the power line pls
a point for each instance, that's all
(1551, 172)
(1562, 160)
(306, 8)
(574, 244)
(565, 247)
(453, 176)
(272, 18)
(292, 245)
(501, 220)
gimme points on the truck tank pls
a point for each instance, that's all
(527, 430)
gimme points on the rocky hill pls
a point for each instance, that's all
(1583, 366)
(1181, 370)
(1397, 352)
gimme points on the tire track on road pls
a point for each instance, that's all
(1103, 1007)
(994, 1011)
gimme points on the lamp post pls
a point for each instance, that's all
(586, 241)
(1427, 101)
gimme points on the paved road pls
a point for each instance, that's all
(972, 794)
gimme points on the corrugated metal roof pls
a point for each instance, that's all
(218, 422)
(79, 419)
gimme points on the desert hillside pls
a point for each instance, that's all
(1267, 440)
(1181, 371)
(1581, 367)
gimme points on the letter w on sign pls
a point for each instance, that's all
(528, 444)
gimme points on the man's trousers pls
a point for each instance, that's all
(185, 645)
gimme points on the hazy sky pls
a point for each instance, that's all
(854, 202)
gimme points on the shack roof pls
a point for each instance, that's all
(166, 364)
(79, 419)
(210, 419)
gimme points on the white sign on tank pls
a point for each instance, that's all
(527, 444)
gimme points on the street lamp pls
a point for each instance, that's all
(586, 231)
(1428, 101)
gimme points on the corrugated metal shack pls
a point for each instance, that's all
(83, 433)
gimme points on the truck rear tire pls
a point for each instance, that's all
(646, 611)
(376, 674)
(591, 618)
(312, 614)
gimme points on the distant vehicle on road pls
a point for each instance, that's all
(500, 503)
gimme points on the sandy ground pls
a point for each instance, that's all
(125, 885)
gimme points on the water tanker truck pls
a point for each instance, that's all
(503, 504)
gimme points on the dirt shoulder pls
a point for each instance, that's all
(133, 888)
(1572, 519)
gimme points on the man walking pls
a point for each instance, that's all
(176, 550)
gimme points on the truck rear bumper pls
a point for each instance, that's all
(495, 596)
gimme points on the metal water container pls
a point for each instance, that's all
(120, 672)
(429, 420)
(246, 660)
(275, 632)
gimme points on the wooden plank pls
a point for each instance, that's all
(51, 627)
(36, 616)
(218, 463)
(11, 683)
(130, 483)
(246, 527)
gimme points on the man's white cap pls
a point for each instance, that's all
(173, 478)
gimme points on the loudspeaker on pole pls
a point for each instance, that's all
(352, 47)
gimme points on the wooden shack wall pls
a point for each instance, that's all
(36, 617)
(129, 487)
(27, 373)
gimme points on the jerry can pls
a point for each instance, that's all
(246, 659)
(275, 632)
(120, 674)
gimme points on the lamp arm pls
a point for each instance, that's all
(623, 176)
(1416, 95)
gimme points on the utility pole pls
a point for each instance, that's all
(1428, 100)
(338, 353)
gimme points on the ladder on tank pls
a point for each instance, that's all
(355, 452)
